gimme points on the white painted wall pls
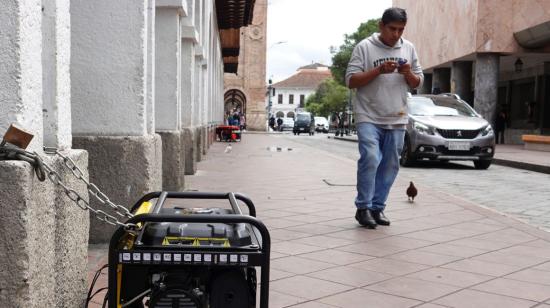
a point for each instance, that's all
(109, 67)
(21, 68)
(56, 56)
(286, 92)
(168, 69)
(149, 79)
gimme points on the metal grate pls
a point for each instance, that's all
(458, 133)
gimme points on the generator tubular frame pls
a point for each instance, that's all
(237, 217)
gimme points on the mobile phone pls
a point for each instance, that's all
(401, 61)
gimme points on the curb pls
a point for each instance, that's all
(522, 165)
(496, 161)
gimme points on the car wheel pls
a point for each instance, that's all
(482, 164)
(407, 159)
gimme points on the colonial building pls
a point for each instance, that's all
(128, 89)
(493, 53)
(290, 94)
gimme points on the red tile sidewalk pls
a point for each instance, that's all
(440, 251)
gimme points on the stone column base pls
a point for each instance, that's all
(43, 237)
(124, 168)
(27, 238)
(204, 139)
(189, 145)
(173, 161)
(71, 235)
(198, 143)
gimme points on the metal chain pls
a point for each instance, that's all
(42, 170)
(11, 152)
(92, 188)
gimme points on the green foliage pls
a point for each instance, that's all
(329, 97)
(341, 56)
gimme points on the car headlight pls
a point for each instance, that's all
(487, 130)
(423, 128)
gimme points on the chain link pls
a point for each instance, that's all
(81, 202)
(44, 170)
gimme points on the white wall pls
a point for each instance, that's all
(168, 69)
(21, 68)
(286, 92)
(111, 75)
(56, 56)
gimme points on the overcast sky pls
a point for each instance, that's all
(309, 27)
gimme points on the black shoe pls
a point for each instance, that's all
(365, 219)
(380, 218)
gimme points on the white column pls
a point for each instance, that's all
(56, 44)
(21, 68)
(168, 69)
(189, 37)
(198, 84)
(150, 66)
(110, 67)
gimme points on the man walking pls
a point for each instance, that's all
(383, 67)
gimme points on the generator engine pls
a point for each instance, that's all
(189, 257)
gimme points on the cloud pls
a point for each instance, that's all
(309, 28)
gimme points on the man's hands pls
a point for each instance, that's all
(403, 69)
(388, 67)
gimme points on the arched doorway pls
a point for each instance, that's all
(290, 114)
(234, 101)
(280, 114)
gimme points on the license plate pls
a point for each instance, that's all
(459, 146)
(301, 128)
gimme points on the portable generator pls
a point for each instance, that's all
(185, 256)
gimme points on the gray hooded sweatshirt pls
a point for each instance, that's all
(383, 100)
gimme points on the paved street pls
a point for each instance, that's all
(440, 251)
(522, 194)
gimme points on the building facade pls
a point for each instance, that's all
(131, 91)
(290, 94)
(244, 89)
(494, 53)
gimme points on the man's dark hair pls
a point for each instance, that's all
(394, 14)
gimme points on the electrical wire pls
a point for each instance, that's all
(96, 276)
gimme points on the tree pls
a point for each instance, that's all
(329, 97)
(342, 55)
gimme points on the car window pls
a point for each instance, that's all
(461, 107)
(303, 117)
(420, 106)
(320, 120)
(423, 106)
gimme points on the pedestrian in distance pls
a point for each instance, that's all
(272, 123)
(280, 124)
(382, 69)
(500, 126)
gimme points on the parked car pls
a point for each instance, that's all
(304, 123)
(321, 124)
(288, 124)
(444, 127)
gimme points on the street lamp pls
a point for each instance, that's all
(277, 43)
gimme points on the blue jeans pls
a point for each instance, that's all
(378, 165)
